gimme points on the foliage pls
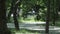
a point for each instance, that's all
(28, 6)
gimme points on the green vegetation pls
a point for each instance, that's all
(23, 11)
(22, 31)
(32, 11)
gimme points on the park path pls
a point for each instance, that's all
(34, 27)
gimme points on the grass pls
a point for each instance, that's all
(28, 20)
(23, 31)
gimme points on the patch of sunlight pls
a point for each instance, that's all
(30, 19)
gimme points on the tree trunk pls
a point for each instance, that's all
(3, 25)
(13, 10)
(15, 15)
(47, 17)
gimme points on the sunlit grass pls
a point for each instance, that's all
(28, 20)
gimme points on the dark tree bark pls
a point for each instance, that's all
(3, 22)
(14, 6)
(15, 19)
(15, 15)
(47, 17)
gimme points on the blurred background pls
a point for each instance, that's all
(33, 16)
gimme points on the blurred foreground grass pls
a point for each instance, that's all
(23, 31)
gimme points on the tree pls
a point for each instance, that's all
(15, 15)
(47, 17)
(3, 22)
(15, 10)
